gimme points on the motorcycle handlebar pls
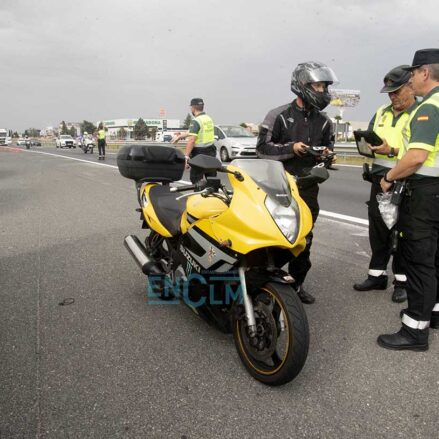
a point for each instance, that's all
(197, 187)
(318, 153)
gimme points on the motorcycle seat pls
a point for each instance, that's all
(168, 209)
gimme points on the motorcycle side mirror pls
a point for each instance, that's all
(319, 174)
(206, 163)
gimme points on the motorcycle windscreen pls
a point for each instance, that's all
(270, 177)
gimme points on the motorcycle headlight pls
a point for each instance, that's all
(286, 217)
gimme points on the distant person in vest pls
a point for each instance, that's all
(201, 137)
(388, 122)
(101, 141)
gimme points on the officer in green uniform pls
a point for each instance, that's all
(201, 137)
(388, 122)
(419, 212)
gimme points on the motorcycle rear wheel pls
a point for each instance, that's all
(278, 352)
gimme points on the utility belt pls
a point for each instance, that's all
(421, 183)
(204, 147)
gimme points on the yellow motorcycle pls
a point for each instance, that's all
(220, 246)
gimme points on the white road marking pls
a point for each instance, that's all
(334, 215)
(339, 216)
(72, 158)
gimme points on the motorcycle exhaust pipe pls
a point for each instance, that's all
(138, 251)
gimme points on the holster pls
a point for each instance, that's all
(398, 191)
(367, 176)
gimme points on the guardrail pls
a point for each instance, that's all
(345, 149)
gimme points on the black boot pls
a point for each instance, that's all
(434, 321)
(304, 296)
(372, 283)
(399, 293)
(406, 339)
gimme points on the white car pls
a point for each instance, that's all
(233, 141)
(65, 141)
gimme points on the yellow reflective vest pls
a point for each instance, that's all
(430, 167)
(392, 132)
(205, 136)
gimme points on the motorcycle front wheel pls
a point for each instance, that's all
(278, 351)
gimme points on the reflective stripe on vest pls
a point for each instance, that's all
(205, 136)
(430, 167)
(101, 134)
(392, 134)
(388, 162)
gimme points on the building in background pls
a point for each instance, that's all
(48, 132)
(116, 126)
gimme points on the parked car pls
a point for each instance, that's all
(34, 142)
(21, 141)
(233, 141)
(66, 141)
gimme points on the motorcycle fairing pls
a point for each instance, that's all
(248, 225)
(205, 254)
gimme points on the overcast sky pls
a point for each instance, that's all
(96, 59)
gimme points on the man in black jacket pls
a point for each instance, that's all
(285, 134)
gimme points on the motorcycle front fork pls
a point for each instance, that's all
(248, 305)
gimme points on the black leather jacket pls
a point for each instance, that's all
(289, 124)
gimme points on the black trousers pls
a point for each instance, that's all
(196, 174)
(299, 267)
(419, 241)
(380, 237)
(101, 147)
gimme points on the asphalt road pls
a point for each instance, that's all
(345, 192)
(109, 365)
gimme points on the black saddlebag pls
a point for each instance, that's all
(151, 162)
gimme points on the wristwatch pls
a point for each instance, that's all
(387, 181)
(391, 153)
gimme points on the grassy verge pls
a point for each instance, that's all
(352, 160)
